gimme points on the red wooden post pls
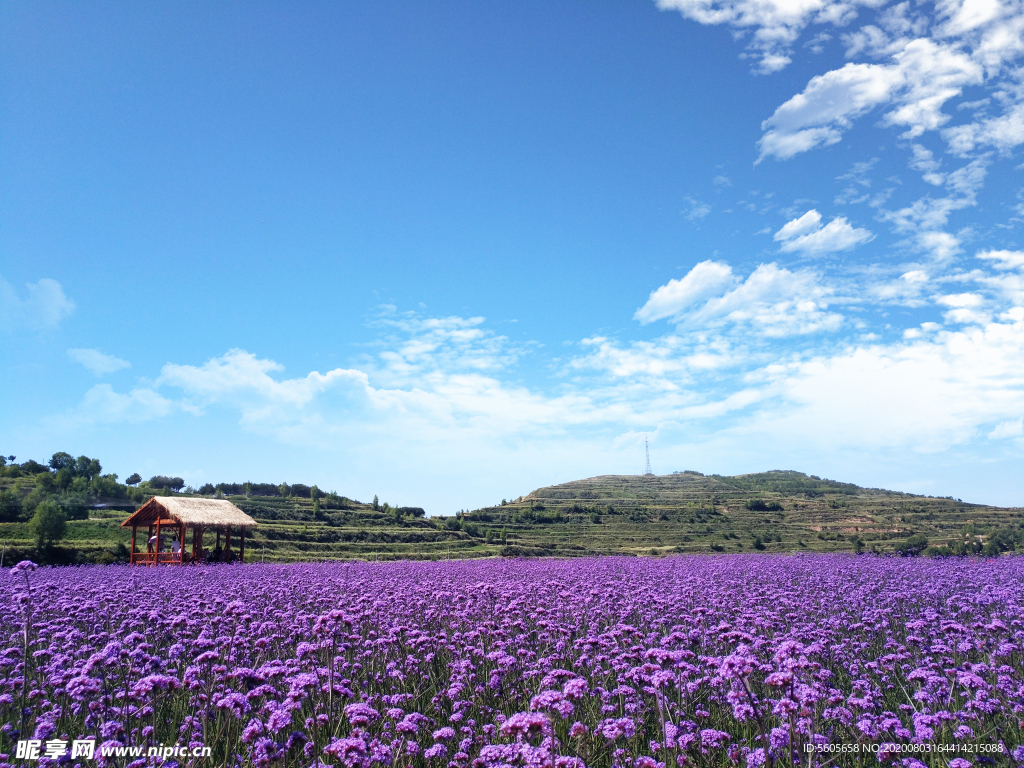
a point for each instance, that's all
(131, 558)
(181, 545)
(156, 561)
(227, 543)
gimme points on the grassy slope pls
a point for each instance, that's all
(608, 514)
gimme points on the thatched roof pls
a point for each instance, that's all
(208, 513)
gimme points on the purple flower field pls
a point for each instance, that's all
(640, 663)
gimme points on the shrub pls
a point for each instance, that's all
(760, 505)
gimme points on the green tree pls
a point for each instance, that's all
(858, 544)
(61, 461)
(376, 503)
(107, 485)
(87, 468)
(49, 524)
(64, 477)
(283, 490)
(162, 481)
(133, 479)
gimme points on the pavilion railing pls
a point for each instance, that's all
(156, 558)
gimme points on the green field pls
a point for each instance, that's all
(613, 514)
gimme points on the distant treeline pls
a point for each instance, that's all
(282, 490)
(67, 483)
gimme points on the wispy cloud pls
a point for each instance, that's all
(922, 76)
(103, 405)
(771, 301)
(96, 362)
(41, 307)
(1003, 430)
(695, 209)
(699, 284)
(806, 235)
(776, 25)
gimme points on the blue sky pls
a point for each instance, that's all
(448, 253)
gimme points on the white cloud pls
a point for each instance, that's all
(702, 282)
(908, 289)
(1008, 286)
(42, 308)
(417, 345)
(924, 160)
(930, 214)
(960, 300)
(806, 235)
(929, 394)
(803, 225)
(1004, 259)
(859, 182)
(922, 77)
(241, 377)
(102, 405)
(671, 359)
(776, 24)
(772, 301)
(697, 210)
(97, 362)
(825, 108)
(1012, 428)
(926, 217)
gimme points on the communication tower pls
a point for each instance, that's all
(647, 456)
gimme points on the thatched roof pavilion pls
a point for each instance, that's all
(181, 515)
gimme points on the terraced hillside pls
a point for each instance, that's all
(290, 529)
(641, 515)
(771, 511)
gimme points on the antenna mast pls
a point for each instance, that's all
(647, 456)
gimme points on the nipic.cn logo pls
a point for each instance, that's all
(34, 749)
